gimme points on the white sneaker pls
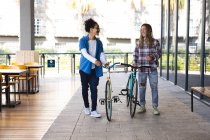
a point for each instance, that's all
(142, 109)
(156, 111)
(87, 111)
(95, 114)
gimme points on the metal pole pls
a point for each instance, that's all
(43, 56)
(187, 45)
(202, 54)
(73, 64)
(168, 42)
(176, 42)
(126, 61)
(161, 36)
(8, 59)
(58, 64)
(113, 57)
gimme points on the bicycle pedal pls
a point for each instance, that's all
(137, 102)
(116, 99)
(102, 101)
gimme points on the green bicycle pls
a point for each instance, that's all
(131, 90)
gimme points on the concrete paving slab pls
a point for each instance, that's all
(175, 122)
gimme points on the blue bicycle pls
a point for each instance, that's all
(108, 94)
(131, 90)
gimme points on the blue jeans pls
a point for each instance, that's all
(153, 80)
(92, 81)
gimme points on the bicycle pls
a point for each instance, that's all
(131, 90)
(108, 94)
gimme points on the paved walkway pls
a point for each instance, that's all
(176, 121)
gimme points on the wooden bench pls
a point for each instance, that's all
(203, 91)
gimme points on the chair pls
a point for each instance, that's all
(16, 63)
(34, 72)
(0, 92)
(12, 82)
(24, 77)
(1, 89)
(2, 66)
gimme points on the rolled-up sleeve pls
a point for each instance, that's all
(157, 54)
(135, 56)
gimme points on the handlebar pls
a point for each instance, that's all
(129, 65)
(134, 67)
(111, 66)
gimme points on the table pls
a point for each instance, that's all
(0, 94)
(6, 73)
(203, 91)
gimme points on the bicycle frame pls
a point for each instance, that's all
(108, 94)
(131, 89)
(132, 77)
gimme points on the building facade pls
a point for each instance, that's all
(58, 24)
(182, 26)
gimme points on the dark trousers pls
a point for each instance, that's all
(89, 80)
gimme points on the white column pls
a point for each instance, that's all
(27, 25)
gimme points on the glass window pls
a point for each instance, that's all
(38, 2)
(164, 37)
(38, 26)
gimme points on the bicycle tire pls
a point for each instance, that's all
(128, 92)
(108, 100)
(133, 98)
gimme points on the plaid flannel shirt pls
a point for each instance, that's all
(139, 57)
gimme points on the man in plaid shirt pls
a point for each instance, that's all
(146, 55)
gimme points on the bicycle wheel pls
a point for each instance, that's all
(108, 100)
(128, 92)
(133, 98)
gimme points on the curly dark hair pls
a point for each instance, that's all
(89, 23)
